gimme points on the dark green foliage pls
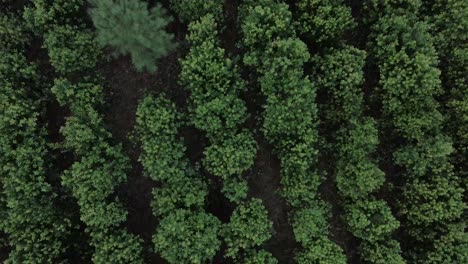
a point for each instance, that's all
(448, 23)
(36, 230)
(321, 251)
(216, 108)
(45, 14)
(163, 158)
(260, 257)
(249, 227)
(130, 28)
(383, 252)
(99, 168)
(187, 237)
(186, 233)
(12, 32)
(357, 175)
(324, 21)
(71, 49)
(232, 157)
(353, 138)
(371, 220)
(409, 83)
(289, 119)
(192, 10)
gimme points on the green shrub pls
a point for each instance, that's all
(322, 251)
(371, 220)
(382, 252)
(260, 257)
(340, 76)
(216, 108)
(248, 228)
(71, 49)
(12, 33)
(42, 15)
(157, 127)
(235, 189)
(310, 224)
(220, 116)
(130, 28)
(356, 174)
(189, 193)
(77, 95)
(324, 20)
(232, 156)
(192, 10)
(187, 237)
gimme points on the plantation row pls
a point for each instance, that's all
(339, 76)
(370, 106)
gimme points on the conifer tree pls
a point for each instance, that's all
(130, 28)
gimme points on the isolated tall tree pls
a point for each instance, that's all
(130, 28)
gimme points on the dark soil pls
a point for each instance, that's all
(264, 183)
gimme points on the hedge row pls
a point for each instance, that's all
(216, 108)
(339, 75)
(358, 177)
(186, 234)
(449, 20)
(36, 231)
(289, 121)
(432, 199)
(100, 166)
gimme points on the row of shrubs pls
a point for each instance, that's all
(448, 21)
(277, 56)
(100, 165)
(216, 108)
(35, 228)
(431, 202)
(352, 137)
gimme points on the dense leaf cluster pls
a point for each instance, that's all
(448, 23)
(36, 229)
(432, 199)
(217, 109)
(186, 233)
(100, 166)
(289, 120)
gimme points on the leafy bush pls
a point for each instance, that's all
(216, 108)
(36, 230)
(260, 257)
(382, 252)
(356, 174)
(371, 220)
(12, 32)
(186, 233)
(187, 237)
(71, 49)
(192, 10)
(130, 28)
(310, 224)
(42, 15)
(248, 228)
(324, 20)
(232, 156)
(323, 251)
